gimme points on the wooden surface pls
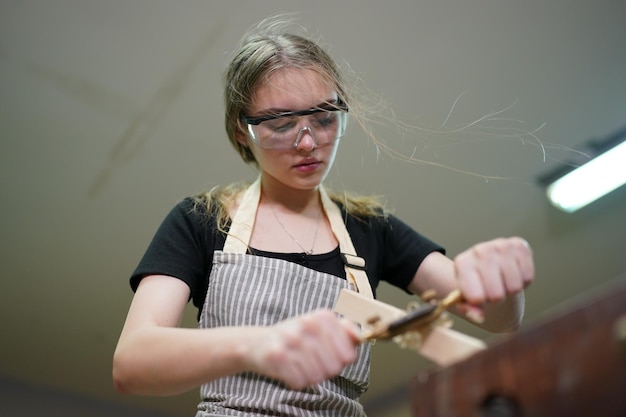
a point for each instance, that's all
(570, 364)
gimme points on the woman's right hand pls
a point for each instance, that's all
(305, 350)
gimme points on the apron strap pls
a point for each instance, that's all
(242, 224)
(355, 266)
(240, 230)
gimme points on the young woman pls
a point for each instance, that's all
(264, 262)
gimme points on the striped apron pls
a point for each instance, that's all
(251, 290)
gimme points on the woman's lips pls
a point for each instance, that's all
(308, 165)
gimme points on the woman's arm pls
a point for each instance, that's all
(156, 357)
(491, 276)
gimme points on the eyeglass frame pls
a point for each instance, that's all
(339, 106)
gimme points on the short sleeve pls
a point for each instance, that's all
(182, 247)
(404, 250)
(392, 249)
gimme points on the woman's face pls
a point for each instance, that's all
(306, 165)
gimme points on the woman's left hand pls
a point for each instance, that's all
(492, 270)
(492, 276)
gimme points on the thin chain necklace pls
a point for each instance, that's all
(307, 251)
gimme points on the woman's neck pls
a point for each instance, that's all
(292, 199)
(291, 220)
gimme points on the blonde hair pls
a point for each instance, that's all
(268, 47)
(263, 51)
(277, 43)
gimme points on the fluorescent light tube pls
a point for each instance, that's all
(590, 181)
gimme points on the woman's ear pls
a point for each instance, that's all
(240, 135)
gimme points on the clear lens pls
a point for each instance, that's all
(282, 132)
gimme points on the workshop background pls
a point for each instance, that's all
(111, 112)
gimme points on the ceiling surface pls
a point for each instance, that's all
(111, 112)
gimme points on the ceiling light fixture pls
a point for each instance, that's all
(579, 184)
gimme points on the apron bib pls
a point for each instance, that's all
(246, 289)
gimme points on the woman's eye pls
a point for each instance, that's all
(282, 125)
(325, 119)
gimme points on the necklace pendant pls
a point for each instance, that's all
(306, 252)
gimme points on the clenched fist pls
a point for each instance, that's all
(305, 350)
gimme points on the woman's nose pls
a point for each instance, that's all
(305, 141)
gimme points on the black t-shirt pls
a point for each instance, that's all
(183, 247)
